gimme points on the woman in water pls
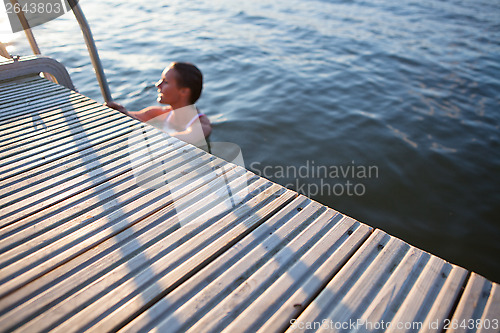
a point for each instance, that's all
(179, 88)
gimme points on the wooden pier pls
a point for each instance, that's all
(108, 225)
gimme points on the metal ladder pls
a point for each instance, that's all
(38, 64)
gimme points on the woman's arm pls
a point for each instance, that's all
(144, 115)
(117, 106)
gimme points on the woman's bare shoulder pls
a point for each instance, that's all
(151, 112)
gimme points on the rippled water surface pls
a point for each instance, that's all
(408, 90)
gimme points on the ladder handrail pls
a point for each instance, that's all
(94, 55)
(27, 29)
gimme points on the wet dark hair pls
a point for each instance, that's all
(189, 76)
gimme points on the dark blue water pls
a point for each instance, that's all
(408, 90)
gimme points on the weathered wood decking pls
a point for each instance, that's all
(179, 240)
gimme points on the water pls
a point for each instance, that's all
(409, 89)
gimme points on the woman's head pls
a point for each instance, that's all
(180, 85)
(189, 76)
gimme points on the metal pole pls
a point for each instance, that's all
(27, 29)
(30, 37)
(94, 56)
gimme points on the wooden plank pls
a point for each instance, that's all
(344, 239)
(66, 164)
(478, 309)
(230, 264)
(360, 281)
(28, 90)
(227, 308)
(438, 282)
(71, 122)
(37, 193)
(445, 301)
(165, 273)
(289, 225)
(40, 220)
(65, 229)
(491, 315)
(20, 114)
(51, 142)
(385, 281)
(43, 126)
(8, 87)
(104, 148)
(23, 92)
(342, 283)
(48, 134)
(82, 141)
(27, 303)
(20, 110)
(206, 189)
(8, 84)
(289, 247)
(385, 304)
(274, 299)
(51, 117)
(17, 233)
(30, 99)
